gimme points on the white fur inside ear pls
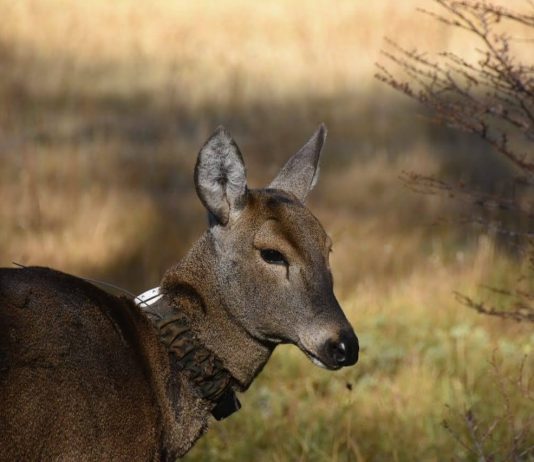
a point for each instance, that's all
(236, 178)
(315, 178)
(220, 176)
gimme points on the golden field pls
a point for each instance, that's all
(104, 106)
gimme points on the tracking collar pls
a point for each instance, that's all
(203, 368)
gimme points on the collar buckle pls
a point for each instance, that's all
(226, 405)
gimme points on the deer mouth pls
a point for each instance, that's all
(336, 352)
(316, 360)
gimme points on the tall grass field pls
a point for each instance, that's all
(103, 108)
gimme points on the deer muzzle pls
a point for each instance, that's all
(343, 350)
(334, 351)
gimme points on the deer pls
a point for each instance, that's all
(88, 375)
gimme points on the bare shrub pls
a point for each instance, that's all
(492, 98)
(501, 435)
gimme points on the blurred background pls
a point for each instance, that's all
(103, 108)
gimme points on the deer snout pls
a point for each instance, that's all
(343, 350)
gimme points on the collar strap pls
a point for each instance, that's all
(204, 370)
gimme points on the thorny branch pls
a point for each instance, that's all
(491, 97)
(485, 440)
(521, 310)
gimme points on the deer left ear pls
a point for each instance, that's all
(220, 177)
(300, 173)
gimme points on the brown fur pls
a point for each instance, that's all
(84, 375)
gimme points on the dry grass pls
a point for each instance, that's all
(105, 105)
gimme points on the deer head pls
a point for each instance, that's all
(270, 255)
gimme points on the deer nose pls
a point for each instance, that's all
(344, 350)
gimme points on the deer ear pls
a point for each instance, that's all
(300, 173)
(220, 177)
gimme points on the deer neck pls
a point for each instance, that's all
(191, 288)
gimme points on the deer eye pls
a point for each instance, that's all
(273, 257)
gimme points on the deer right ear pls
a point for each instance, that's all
(299, 174)
(220, 177)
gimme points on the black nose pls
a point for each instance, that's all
(343, 351)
